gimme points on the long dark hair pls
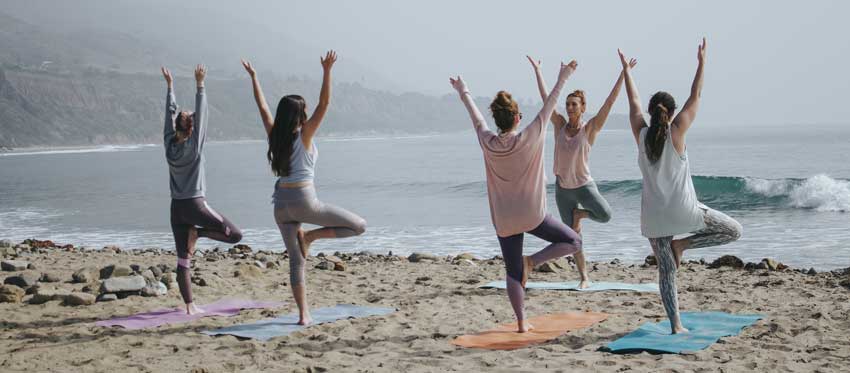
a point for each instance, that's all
(287, 121)
(504, 108)
(661, 108)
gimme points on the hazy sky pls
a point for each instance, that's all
(769, 62)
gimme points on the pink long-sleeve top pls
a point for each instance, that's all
(516, 182)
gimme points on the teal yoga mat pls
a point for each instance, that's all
(264, 330)
(573, 285)
(705, 328)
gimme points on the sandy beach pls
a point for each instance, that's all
(807, 316)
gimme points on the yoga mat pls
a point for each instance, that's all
(573, 285)
(705, 328)
(224, 307)
(264, 330)
(546, 328)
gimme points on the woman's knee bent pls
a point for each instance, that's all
(359, 227)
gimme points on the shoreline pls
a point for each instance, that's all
(437, 299)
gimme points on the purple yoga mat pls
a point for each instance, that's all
(224, 307)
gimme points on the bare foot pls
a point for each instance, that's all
(524, 326)
(678, 247)
(680, 329)
(305, 319)
(193, 238)
(584, 284)
(303, 244)
(192, 309)
(577, 216)
(528, 266)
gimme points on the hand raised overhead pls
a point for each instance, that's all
(701, 51)
(200, 73)
(627, 64)
(328, 60)
(534, 64)
(567, 69)
(249, 68)
(167, 75)
(458, 84)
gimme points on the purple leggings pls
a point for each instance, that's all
(195, 212)
(564, 241)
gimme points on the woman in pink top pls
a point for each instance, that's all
(575, 192)
(516, 186)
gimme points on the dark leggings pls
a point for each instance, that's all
(195, 212)
(564, 241)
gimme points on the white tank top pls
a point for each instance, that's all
(669, 204)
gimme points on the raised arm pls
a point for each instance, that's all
(635, 111)
(689, 110)
(170, 107)
(201, 109)
(477, 119)
(538, 124)
(308, 130)
(557, 118)
(262, 105)
(597, 122)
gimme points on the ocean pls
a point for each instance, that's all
(789, 186)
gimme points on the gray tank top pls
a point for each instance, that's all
(302, 165)
(669, 204)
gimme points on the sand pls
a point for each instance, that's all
(806, 328)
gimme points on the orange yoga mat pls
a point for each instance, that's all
(546, 328)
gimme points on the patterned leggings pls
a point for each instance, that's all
(720, 229)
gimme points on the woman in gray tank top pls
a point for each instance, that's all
(292, 155)
(669, 204)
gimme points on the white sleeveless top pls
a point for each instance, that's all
(669, 204)
(571, 158)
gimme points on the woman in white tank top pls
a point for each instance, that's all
(669, 204)
(576, 194)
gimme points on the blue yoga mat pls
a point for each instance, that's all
(264, 330)
(573, 285)
(705, 328)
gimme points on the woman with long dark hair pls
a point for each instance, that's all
(184, 135)
(516, 186)
(576, 193)
(292, 155)
(669, 204)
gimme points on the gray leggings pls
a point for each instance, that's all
(588, 197)
(300, 205)
(720, 229)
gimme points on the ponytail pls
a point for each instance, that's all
(661, 107)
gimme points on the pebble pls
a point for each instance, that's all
(50, 277)
(46, 295)
(155, 289)
(107, 297)
(727, 261)
(23, 280)
(418, 257)
(169, 279)
(79, 299)
(116, 270)
(11, 294)
(14, 265)
(325, 265)
(86, 275)
(246, 270)
(123, 284)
